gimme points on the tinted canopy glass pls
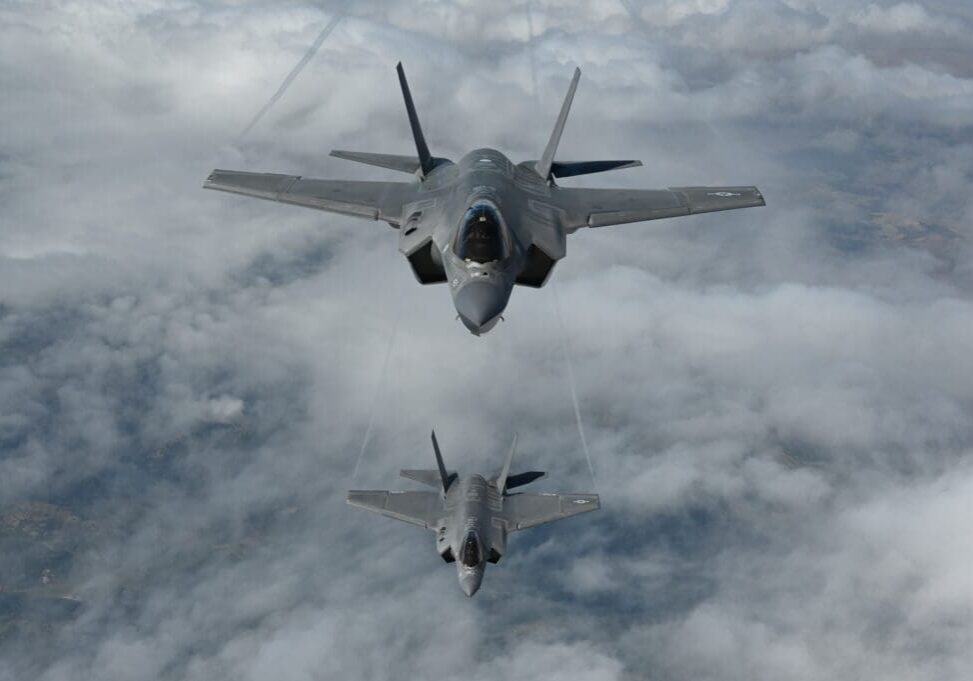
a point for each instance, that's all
(470, 553)
(480, 237)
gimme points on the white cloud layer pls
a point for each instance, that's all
(778, 401)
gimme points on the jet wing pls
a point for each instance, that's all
(375, 200)
(527, 510)
(424, 509)
(603, 207)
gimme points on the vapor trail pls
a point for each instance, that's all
(378, 393)
(530, 49)
(296, 71)
(566, 347)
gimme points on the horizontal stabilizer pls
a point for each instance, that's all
(572, 169)
(521, 479)
(402, 164)
(427, 477)
(505, 481)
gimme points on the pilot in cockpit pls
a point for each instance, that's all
(470, 554)
(480, 238)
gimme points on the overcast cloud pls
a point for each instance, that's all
(777, 401)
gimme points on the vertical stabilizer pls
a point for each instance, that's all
(502, 480)
(544, 165)
(443, 475)
(425, 158)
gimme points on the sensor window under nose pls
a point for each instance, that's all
(480, 238)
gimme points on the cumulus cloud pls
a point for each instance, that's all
(900, 18)
(777, 401)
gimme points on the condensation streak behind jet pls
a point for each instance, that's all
(296, 71)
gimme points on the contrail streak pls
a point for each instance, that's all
(565, 345)
(296, 71)
(378, 393)
(530, 49)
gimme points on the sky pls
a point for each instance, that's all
(777, 401)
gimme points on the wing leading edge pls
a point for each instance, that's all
(424, 509)
(375, 200)
(604, 207)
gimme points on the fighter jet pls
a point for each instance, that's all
(483, 224)
(472, 516)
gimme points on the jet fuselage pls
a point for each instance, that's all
(483, 224)
(478, 217)
(472, 515)
(468, 535)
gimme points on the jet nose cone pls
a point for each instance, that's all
(479, 304)
(470, 582)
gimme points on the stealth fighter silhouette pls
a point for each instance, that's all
(483, 224)
(472, 516)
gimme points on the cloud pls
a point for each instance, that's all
(899, 18)
(777, 401)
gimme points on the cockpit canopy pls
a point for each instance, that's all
(480, 238)
(469, 554)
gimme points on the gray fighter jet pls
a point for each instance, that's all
(483, 224)
(472, 516)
